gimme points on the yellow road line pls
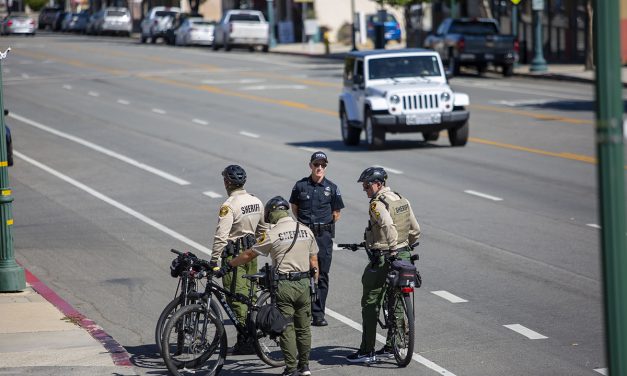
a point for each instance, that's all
(534, 115)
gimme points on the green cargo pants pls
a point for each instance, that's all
(239, 285)
(373, 282)
(293, 300)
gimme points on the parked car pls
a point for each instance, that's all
(194, 31)
(115, 20)
(157, 22)
(18, 24)
(391, 26)
(57, 23)
(247, 28)
(473, 42)
(77, 22)
(399, 91)
(93, 21)
(47, 16)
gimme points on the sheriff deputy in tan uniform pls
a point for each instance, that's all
(392, 227)
(240, 220)
(294, 265)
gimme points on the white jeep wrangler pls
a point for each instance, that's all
(399, 91)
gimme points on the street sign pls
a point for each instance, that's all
(516, 2)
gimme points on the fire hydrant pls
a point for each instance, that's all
(325, 40)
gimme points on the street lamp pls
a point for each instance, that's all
(11, 274)
(271, 23)
(354, 42)
(538, 64)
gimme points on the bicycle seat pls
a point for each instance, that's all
(254, 276)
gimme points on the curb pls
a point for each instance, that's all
(118, 353)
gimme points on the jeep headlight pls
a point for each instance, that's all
(445, 96)
(395, 99)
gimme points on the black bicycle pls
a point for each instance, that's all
(397, 313)
(194, 339)
(183, 267)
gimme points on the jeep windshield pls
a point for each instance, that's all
(403, 67)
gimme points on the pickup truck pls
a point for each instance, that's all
(246, 28)
(157, 22)
(473, 42)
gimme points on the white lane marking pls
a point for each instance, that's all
(115, 203)
(523, 102)
(101, 149)
(418, 358)
(448, 296)
(159, 111)
(475, 193)
(593, 225)
(201, 122)
(312, 150)
(67, 87)
(274, 87)
(390, 170)
(248, 134)
(93, 94)
(24, 75)
(124, 102)
(212, 194)
(602, 371)
(525, 331)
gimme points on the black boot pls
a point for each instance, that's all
(243, 346)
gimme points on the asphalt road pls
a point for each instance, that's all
(119, 148)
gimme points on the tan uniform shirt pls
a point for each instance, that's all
(241, 213)
(382, 234)
(277, 241)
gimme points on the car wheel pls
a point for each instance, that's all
(508, 70)
(375, 138)
(453, 64)
(481, 69)
(142, 39)
(265, 48)
(431, 136)
(350, 134)
(153, 40)
(215, 46)
(459, 136)
(227, 46)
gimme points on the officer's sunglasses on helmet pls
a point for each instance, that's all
(316, 164)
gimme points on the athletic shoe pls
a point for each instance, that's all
(359, 357)
(304, 371)
(384, 353)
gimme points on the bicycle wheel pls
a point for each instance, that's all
(194, 342)
(403, 330)
(266, 346)
(169, 310)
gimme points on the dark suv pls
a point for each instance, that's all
(47, 17)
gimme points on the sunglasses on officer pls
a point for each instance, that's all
(317, 164)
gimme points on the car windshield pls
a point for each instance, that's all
(375, 18)
(116, 13)
(403, 67)
(163, 13)
(202, 23)
(244, 17)
(473, 27)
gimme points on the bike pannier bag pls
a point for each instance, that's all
(406, 273)
(271, 321)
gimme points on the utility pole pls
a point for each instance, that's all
(611, 175)
(538, 64)
(515, 26)
(271, 23)
(353, 41)
(11, 274)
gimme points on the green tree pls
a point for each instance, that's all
(36, 5)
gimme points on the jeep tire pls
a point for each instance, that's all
(350, 134)
(459, 136)
(375, 137)
(431, 136)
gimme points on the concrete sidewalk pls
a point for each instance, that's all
(564, 72)
(41, 334)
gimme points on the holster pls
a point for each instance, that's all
(319, 228)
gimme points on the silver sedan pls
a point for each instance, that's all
(194, 31)
(18, 24)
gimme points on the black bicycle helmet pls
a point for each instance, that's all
(275, 203)
(234, 175)
(373, 174)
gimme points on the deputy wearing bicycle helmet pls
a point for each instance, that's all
(392, 227)
(293, 250)
(240, 220)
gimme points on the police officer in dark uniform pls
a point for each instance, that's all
(316, 202)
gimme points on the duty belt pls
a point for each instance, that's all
(293, 276)
(319, 228)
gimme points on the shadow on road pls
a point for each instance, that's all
(390, 145)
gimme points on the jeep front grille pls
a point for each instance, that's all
(420, 102)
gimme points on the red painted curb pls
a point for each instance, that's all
(118, 353)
